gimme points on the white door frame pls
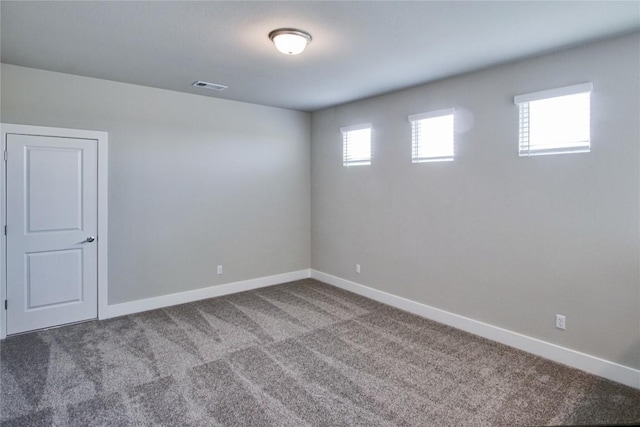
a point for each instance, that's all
(103, 152)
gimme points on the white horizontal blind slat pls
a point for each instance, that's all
(415, 139)
(431, 114)
(524, 129)
(554, 93)
(346, 129)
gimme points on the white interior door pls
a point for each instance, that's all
(52, 227)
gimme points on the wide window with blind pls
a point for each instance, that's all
(555, 121)
(356, 145)
(432, 136)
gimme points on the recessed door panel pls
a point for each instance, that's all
(53, 178)
(54, 278)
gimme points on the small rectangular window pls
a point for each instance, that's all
(432, 136)
(555, 121)
(356, 145)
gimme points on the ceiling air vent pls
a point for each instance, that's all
(211, 86)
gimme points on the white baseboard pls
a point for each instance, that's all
(591, 364)
(147, 304)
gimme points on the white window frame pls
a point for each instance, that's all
(419, 140)
(525, 148)
(347, 156)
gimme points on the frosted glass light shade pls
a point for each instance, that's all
(290, 41)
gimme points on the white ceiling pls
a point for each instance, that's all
(359, 49)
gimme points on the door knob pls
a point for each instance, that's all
(90, 239)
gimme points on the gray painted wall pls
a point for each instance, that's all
(505, 240)
(194, 181)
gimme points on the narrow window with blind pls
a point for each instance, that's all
(356, 145)
(555, 121)
(432, 136)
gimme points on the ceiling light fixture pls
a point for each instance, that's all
(289, 40)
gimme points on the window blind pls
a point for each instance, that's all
(432, 136)
(356, 145)
(555, 121)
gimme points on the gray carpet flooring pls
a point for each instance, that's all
(298, 354)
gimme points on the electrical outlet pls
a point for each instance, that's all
(560, 321)
(219, 271)
(358, 268)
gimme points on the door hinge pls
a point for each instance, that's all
(5, 304)
(6, 155)
(5, 230)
